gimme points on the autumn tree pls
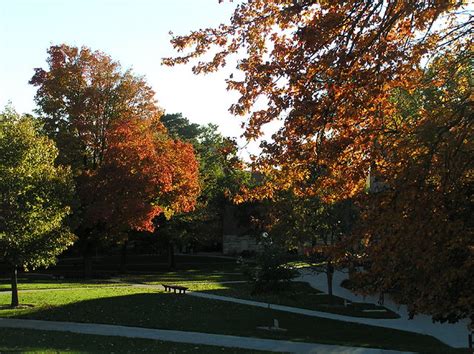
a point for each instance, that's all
(35, 195)
(106, 124)
(329, 71)
(418, 232)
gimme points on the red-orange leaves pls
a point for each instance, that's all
(143, 174)
(105, 122)
(353, 85)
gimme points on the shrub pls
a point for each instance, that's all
(271, 272)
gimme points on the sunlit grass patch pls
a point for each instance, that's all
(40, 284)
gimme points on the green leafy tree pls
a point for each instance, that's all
(180, 127)
(34, 197)
(221, 173)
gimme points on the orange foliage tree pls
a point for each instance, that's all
(329, 71)
(106, 124)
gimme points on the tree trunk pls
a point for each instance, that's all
(330, 273)
(123, 257)
(14, 279)
(352, 270)
(171, 260)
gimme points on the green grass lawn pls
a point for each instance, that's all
(25, 340)
(297, 294)
(155, 309)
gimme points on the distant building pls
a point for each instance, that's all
(374, 183)
(237, 233)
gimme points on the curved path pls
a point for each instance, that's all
(188, 337)
(455, 335)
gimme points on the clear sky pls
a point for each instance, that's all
(134, 32)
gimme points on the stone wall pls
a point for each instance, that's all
(233, 244)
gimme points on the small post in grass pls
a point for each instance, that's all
(275, 328)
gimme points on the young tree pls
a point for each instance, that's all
(106, 124)
(319, 229)
(34, 197)
(329, 70)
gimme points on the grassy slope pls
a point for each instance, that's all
(146, 308)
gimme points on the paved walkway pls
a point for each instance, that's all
(454, 335)
(449, 334)
(188, 337)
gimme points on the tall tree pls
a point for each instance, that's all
(329, 70)
(80, 95)
(34, 197)
(106, 124)
(220, 174)
(180, 127)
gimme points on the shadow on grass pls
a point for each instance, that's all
(51, 341)
(181, 312)
(302, 295)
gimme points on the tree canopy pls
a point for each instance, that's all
(326, 69)
(106, 124)
(359, 92)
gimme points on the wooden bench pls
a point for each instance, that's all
(176, 288)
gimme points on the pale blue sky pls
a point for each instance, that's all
(134, 32)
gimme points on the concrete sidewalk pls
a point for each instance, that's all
(445, 333)
(454, 335)
(189, 337)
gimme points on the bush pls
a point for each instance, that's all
(247, 254)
